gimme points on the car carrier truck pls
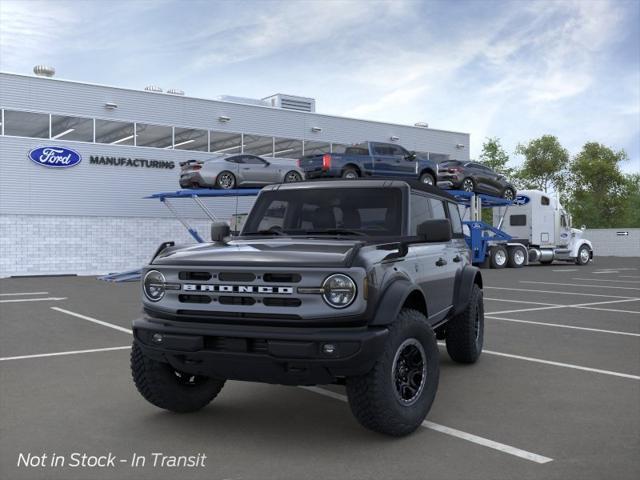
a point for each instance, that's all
(538, 221)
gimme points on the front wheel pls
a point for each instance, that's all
(468, 185)
(292, 177)
(226, 180)
(508, 194)
(163, 386)
(396, 395)
(427, 179)
(584, 255)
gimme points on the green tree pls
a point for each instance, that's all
(630, 216)
(598, 191)
(545, 164)
(495, 157)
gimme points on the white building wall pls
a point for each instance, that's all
(612, 242)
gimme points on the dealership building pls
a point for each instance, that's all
(91, 217)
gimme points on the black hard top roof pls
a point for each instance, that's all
(377, 182)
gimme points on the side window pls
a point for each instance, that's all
(437, 209)
(253, 160)
(398, 151)
(382, 149)
(234, 160)
(420, 212)
(518, 220)
(544, 201)
(454, 217)
(563, 221)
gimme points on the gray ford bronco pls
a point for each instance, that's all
(341, 281)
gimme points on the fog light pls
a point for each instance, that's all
(157, 338)
(329, 348)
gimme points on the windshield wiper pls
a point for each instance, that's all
(335, 231)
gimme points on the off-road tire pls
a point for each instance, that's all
(427, 179)
(350, 173)
(373, 396)
(158, 383)
(465, 332)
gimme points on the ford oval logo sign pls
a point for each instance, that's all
(521, 200)
(55, 157)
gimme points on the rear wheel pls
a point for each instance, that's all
(292, 177)
(584, 255)
(508, 194)
(395, 396)
(225, 180)
(517, 257)
(465, 332)
(468, 185)
(163, 386)
(350, 173)
(427, 179)
(499, 257)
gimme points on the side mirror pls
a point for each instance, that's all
(583, 227)
(411, 156)
(219, 231)
(435, 230)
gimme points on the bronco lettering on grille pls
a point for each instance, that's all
(190, 287)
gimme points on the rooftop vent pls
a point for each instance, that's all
(421, 124)
(175, 91)
(153, 88)
(245, 100)
(44, 71)
(292, 102)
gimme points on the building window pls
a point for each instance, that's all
(71, 128)
(225, 143)
(157, 136)
(115, 133)
(191, 139)
(316, 148)
(26, 124)
(258, 145)
(287, 148)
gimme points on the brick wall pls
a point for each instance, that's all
(50, 245)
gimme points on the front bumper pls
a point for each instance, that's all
(283, 355)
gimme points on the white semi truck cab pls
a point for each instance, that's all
(538, 221)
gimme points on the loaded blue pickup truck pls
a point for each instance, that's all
(370, 159)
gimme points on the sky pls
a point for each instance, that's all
(509, 69)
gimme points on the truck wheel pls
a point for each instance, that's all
(465, 332)
(517, 257)
(427, 179)
(395, 396)
(350, 173)
(499, 256)
(225, 180)
(584, 255)
(167, 388)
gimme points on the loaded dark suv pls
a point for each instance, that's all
(475, 177)
(343, 281)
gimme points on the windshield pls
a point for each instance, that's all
(331, 211)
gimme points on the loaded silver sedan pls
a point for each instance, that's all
(235, 171)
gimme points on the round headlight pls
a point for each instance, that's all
(153, 285)
(339, 290)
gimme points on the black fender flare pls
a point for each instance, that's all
(392, 300)
(469, 276)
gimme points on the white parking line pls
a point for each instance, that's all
(23, 293)
(93, 320)
(597, 330)
(636, 282)
(566, 270)
(57, 354)
(520, 301)
(629, 276)
(565, 365)
(580, 285)
(469, 437)
(588, 306)
(47, 299)
(528, 290)
(606, 271)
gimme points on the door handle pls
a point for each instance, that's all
(441, 262)
(457, 258)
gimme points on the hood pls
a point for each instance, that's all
(281, 252)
